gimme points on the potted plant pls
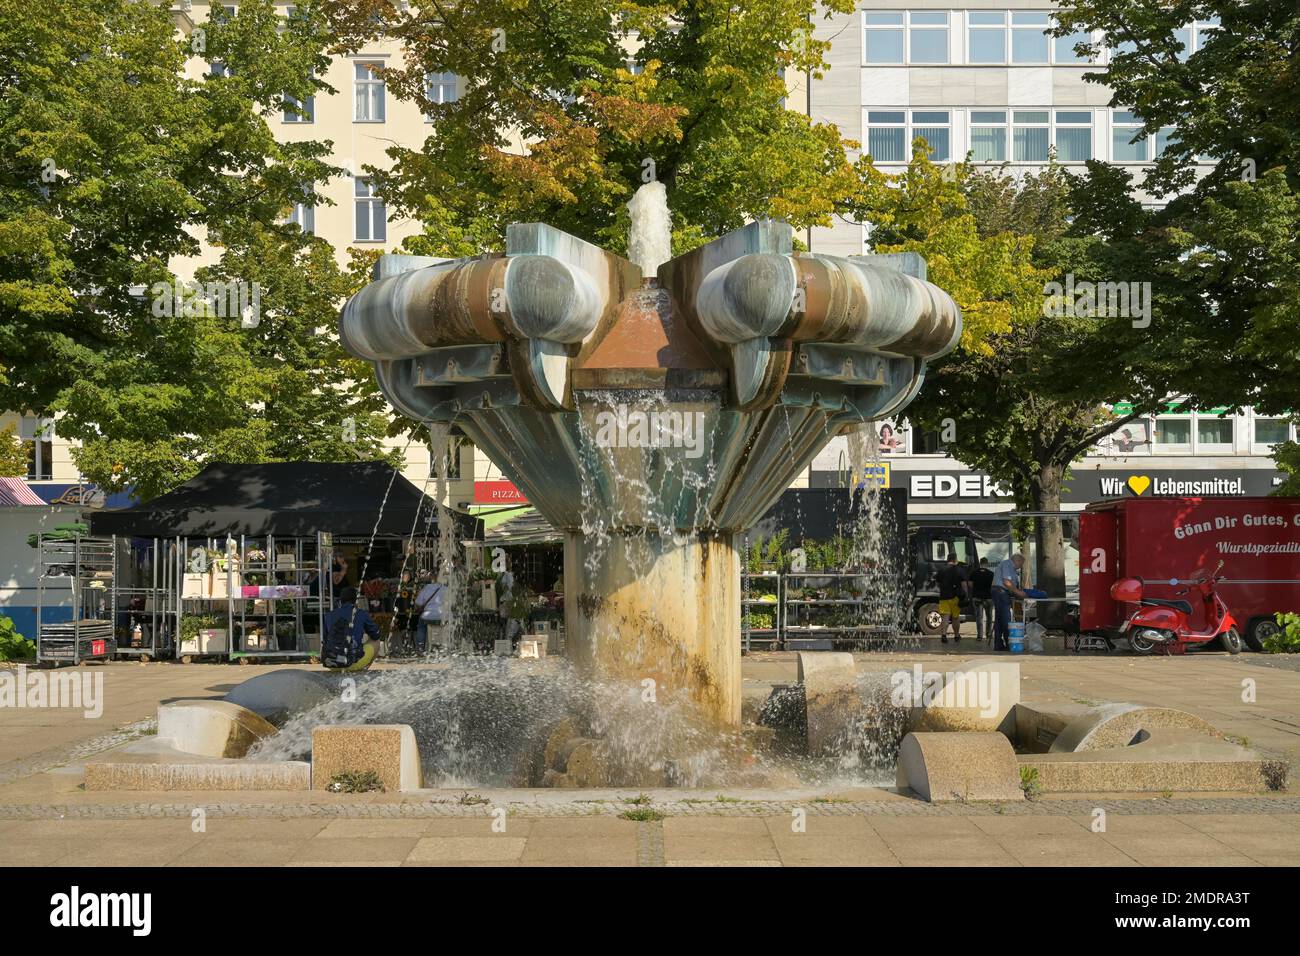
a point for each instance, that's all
(201, 635)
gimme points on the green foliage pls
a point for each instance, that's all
(706, 116)
(832, 556)
(1030, 783)
(356, 781)
(1287, 640)
(191, 624)
(113, 164)
(13, 646)
(768, 554)
(13, 454)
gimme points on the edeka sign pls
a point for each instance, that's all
(498, 493)
(1084, 484)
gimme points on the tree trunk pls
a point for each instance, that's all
(1049, 537)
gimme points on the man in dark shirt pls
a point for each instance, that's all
(981, 588)
(952, 584)
(362, 626)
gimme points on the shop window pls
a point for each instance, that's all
(1029, 40)
(1270, 432)
(988, 136)
(369, 93)
(1173, 434)
(925, 442)
(986, 36)
(1214, 433)
(884, 37)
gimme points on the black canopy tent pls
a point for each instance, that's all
(243, 545)
(286, 499)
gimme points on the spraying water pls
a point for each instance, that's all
(649, 243)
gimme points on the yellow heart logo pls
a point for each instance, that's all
(1139, 483)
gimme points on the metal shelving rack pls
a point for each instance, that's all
(286, 562)
(769, 637)
(85, 564)
(159, 613)
(797, 629)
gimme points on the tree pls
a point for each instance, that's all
(553, 125)
(1010, 398)
(13, 454)
(113, 165)
(1238, 223)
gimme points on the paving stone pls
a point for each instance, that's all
(457, 849)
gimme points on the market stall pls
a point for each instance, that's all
(262, 550)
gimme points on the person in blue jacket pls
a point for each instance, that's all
(365, 632)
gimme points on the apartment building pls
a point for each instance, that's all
(982, 79)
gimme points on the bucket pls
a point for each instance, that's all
(1016, 637)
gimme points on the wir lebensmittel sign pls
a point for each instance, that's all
(1083, 486)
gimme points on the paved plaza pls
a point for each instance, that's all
(46, 817)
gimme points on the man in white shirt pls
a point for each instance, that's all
(429, 603)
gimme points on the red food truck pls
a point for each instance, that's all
(1166, 541)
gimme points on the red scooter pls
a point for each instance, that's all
(1157, 623)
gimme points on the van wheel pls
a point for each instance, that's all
(1231, 640)
(1260, 630)
(929, 619)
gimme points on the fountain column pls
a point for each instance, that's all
(647, 608)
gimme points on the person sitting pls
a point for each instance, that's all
(351, 635)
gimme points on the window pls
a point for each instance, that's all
(38, 435)
(1065, 52)
(1270, 432)
(928, 443)
(887, 136)
(1029, 41)
(299, 111)
(1173, 434)
(987, 36)
(936, 127)
(303, 216)
(1073, 135)
(927, 36)
(1128, 143)
(1030, 136)
(1203, 30)
(372, 218)
(884, 37)
(1165, 137)
(440, 88)
(988, 136)
(369, 86)
(1214, 432)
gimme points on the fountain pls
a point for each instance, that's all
(652, 409)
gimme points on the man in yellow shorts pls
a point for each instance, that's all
(350, 635)
(952, 584)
